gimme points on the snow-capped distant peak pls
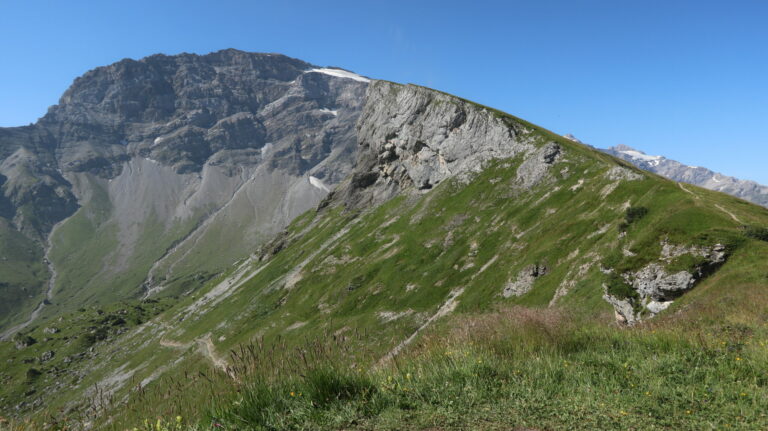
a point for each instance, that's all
(697, 175)
(340, 73)
(318, 183)
(641, 156)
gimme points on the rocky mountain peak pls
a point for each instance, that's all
(159, 86)
(231, 135)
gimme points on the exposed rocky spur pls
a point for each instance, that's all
(645, 292)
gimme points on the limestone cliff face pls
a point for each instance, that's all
(163, 155)
(412, 138)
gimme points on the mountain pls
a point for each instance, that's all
(143, 167)
(469, 270)
(696, 175)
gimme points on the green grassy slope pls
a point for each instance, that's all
(23, 275)
(437, 263)
(59, 353)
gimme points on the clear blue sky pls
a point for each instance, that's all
(685, 79)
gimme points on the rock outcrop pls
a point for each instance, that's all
(657, 284)
(412, 138)
(523, 283)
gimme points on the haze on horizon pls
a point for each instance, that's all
(683, 79)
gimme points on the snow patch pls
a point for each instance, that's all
(642, 156)
(339, 73)
(318, 183)
(328, 111)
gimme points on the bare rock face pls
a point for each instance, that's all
(524, 281)
(624, 310)
(656, 287)
(34, 195)
(654, 282)
(618, 173)
(180, 111)
(412, 138)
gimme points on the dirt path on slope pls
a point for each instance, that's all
(206, 348)
(687, 191)
(725, 211)
(733, 216)
(209, 351)
(448, 306)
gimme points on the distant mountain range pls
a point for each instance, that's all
(696, 175)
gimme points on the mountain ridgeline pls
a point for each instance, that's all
(696, 175)
(262, 199)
